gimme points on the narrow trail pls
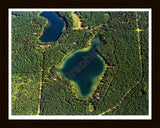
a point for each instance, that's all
(41, 86)
(142, 73)
(140, 51)
(97, 27)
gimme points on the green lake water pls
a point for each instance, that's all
(54, 29)
(84, 68)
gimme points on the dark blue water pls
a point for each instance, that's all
(54, 29)
(84, 68)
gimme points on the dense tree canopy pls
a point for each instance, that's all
(32, 59)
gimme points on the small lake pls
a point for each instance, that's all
(54, 27)
(84, 68)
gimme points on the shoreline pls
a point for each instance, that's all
(94, 86)
(75, 85)
(43, 26)
(47, 24)
(70, 54)
(63, 19)
(96, 79)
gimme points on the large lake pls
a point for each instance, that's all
(84, 68)
(54, 28)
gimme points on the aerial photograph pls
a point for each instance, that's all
(79, 62)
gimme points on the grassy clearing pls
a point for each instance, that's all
(77, 21)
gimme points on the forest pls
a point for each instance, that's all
(26, 62)
(120, 50)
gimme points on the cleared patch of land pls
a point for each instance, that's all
(107, 15)
(77, 22)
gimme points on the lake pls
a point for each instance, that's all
(54, 28)
(84, 68)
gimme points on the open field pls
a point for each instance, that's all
(76, 21)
